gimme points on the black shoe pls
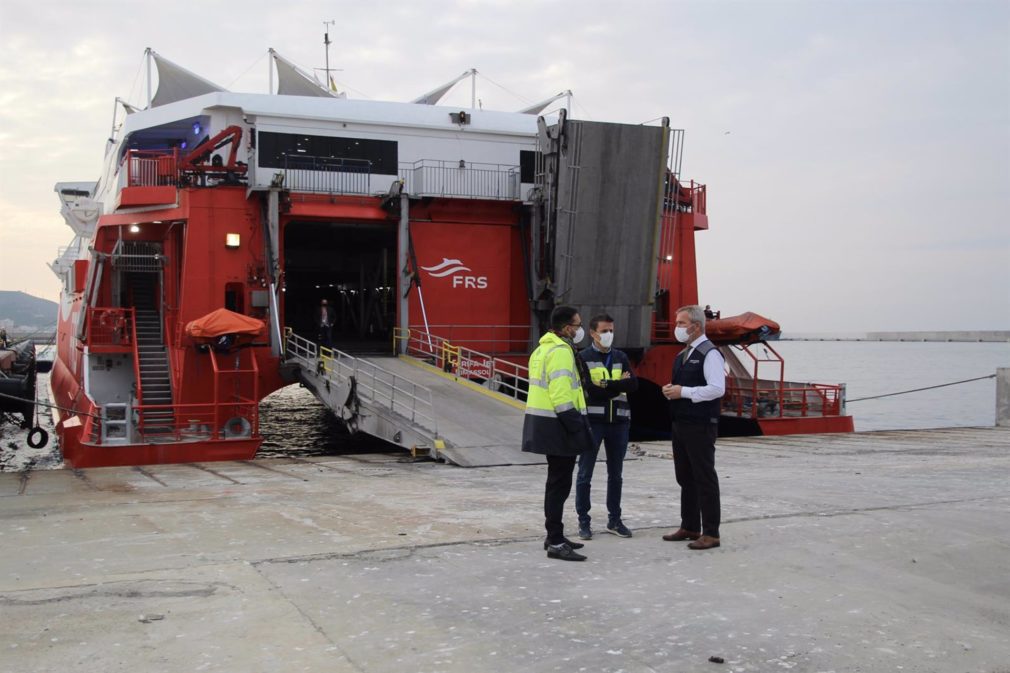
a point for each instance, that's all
(618, 528)
(564, 552)
(585, 532)
(573, 545)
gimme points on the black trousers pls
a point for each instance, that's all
(559, 486)
(694, 464)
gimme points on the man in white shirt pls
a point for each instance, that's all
(697, 383)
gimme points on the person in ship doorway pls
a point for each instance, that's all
(324, 321)
(697, 383)
(555, 423)
(610, 381)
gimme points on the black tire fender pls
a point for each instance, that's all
(38, 438)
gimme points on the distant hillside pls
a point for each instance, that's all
(26, 310)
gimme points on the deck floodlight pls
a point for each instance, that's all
(134, 228)
(232, 240)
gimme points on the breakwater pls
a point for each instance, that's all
(966, 336)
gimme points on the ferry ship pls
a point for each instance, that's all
(193, 285)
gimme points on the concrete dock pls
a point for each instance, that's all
(883, 551)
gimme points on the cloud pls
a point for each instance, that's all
(863, 182)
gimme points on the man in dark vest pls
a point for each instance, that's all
(698, 381)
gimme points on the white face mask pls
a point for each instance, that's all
(681, 334)
(606, 338)
(580, 334)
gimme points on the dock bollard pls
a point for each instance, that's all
(1003, 397)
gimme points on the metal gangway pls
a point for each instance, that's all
(367, 397)
(421, 399)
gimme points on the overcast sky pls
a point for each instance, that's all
(857, 154)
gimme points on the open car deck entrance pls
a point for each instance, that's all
(350, 265)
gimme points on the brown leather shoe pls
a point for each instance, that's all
(704, 542)
(681, 534)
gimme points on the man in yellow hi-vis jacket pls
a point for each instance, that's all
(555, 424)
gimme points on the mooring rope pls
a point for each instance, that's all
(915, 390)
(47, 404)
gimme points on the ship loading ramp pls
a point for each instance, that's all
(409, 400)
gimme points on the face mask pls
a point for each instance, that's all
(606, 338)
(580, 334)
(681, 334)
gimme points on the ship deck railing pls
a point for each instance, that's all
(150, 168)
(461, 179)
(749, 395)
(774, 399)
(373, 384)
(326, 175)
(310, 174)
(110, 330)
(498, 374)
(121, 423)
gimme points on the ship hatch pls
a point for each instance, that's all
(352, 266)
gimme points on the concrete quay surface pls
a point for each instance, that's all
(883, 551)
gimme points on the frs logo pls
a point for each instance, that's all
(453, 267)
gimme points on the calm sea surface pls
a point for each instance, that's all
(878, 368)
(292, 422)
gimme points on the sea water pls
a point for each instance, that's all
(872, 368)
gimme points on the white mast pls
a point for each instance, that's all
(270, 70)
(147, 54)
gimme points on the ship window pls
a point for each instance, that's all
(274, 149)
(527, 165)
(234, 297)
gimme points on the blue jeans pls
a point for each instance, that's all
(615, 438)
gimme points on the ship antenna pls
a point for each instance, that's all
(326, 43)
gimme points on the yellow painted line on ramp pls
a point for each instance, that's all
(466, 383)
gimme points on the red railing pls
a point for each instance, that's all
(111, 330)
(503, 376)
(178, 422)
(492, 339)
(750, 396)
(231, 382)
(136, 357)
(195, 422)
(687, 196)
(152, 168)
(767, 399)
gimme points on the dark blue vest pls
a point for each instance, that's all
(692, 374)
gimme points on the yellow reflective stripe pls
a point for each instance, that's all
(558, 373)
